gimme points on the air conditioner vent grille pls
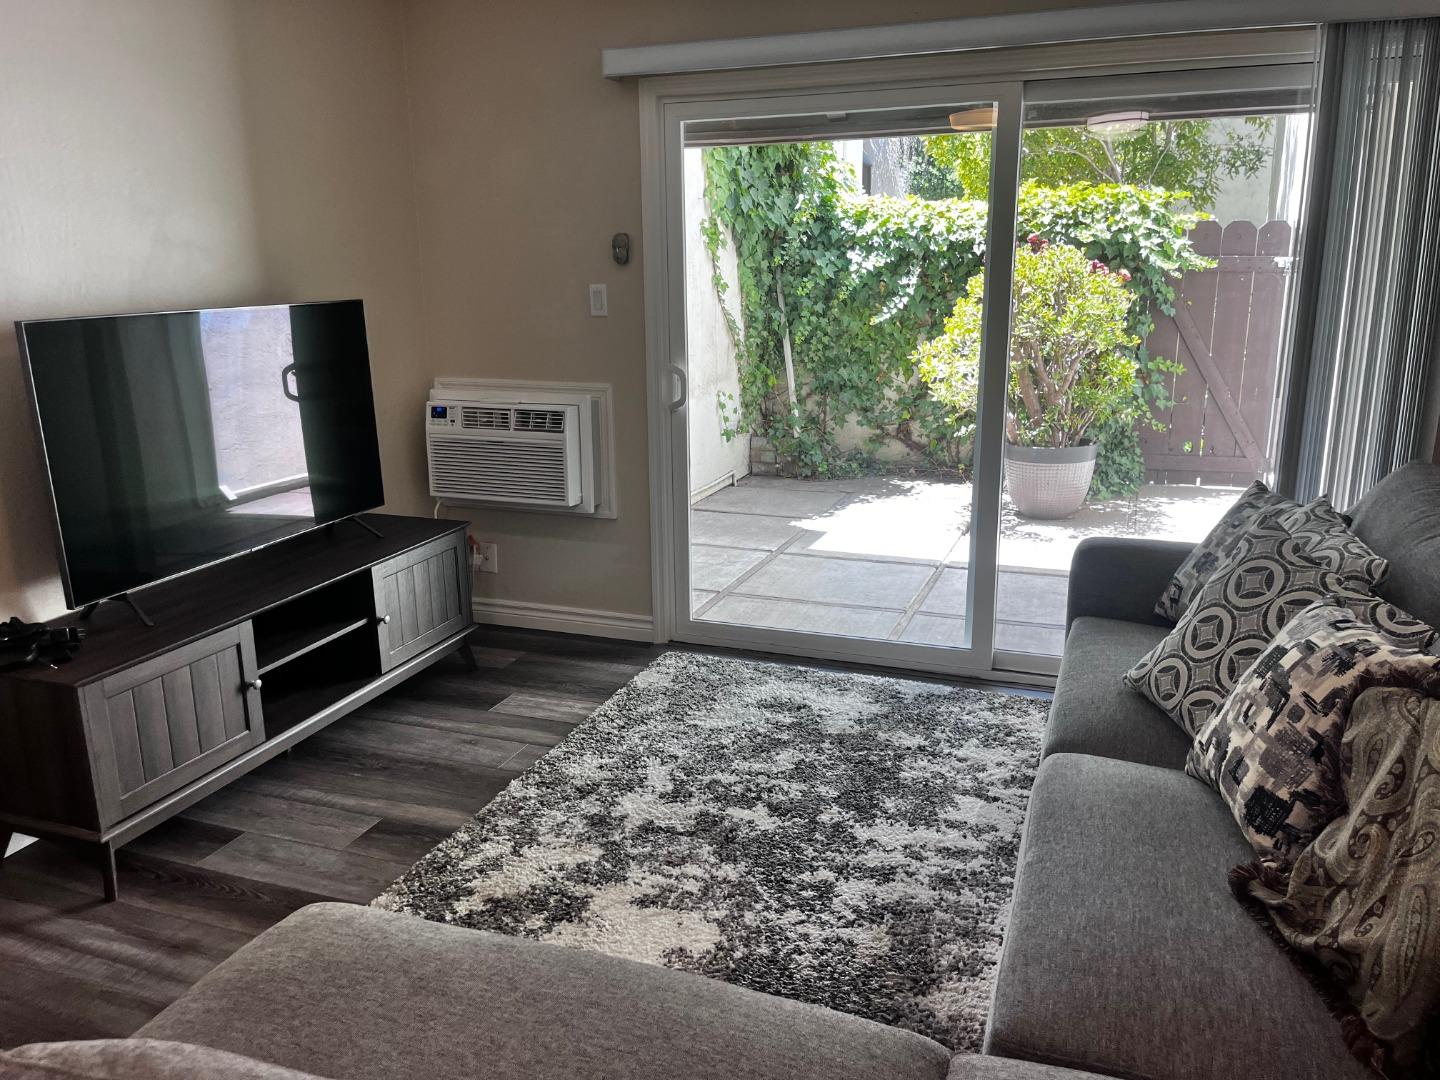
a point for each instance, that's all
(472, 468)
(539, 419)
(484, 418)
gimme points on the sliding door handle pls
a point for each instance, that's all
(684, 381)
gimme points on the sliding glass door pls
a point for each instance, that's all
(866, 459)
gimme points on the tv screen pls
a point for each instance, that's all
(178, 439)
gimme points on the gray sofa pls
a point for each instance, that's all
(350, 993)
(1125, 954)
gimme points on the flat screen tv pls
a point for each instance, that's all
(175, 440)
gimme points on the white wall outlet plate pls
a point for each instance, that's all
(487, 557)
(599, 300)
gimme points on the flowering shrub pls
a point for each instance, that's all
(1072, 360)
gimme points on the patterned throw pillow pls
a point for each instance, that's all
(1217, 546)
(1328, 539)
(1269, 576)
(1357, 908)
(1273, 749)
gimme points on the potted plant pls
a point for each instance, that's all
(1071, 366)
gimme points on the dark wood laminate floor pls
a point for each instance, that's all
(338, 818)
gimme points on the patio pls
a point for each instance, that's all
(887, 557)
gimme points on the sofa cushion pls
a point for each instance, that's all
(1126, 953)
(358, 993)
(135, 1059)
(985, 1067)
(1095, 713)
(1400, 518)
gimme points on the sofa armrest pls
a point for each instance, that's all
(1121, 578)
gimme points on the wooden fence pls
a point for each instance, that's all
(1226, 332)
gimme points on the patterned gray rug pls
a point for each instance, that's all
(843, 839)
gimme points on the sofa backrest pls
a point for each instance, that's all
(1400, 519)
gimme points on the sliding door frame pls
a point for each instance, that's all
(667, 104)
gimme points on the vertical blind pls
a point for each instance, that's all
(1366, 317)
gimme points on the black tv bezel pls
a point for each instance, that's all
(74, 603)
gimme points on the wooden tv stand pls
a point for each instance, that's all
(245, 659)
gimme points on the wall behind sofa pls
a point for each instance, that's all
(179, 153)
(526, 162)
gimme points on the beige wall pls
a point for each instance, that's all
(207, 152)
(526, 162)
(177, 153)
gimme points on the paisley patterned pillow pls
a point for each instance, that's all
(1269, 576)
(1217, 546)
(1357, 907)
(1273, 749)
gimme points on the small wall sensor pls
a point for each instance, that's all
(620, 248)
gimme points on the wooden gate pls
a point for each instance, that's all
(1226, 332)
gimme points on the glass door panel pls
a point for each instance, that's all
(829, 475)
(1155, 243)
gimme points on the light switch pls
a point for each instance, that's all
(599, 301)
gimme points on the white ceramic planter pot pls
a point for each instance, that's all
(1049, 482)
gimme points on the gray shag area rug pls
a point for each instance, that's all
(843, 839)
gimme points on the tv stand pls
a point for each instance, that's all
(242, 660)
(124, 598)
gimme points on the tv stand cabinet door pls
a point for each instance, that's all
(421, 598)
(170, 720)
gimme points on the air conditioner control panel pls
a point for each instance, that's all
(442, 415)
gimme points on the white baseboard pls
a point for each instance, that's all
(564, 620)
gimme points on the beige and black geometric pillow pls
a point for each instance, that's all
(1328, 539)
(1217, 546)
(1273, 749)
(1268, 577)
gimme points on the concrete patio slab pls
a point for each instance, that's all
(904, 520)
(741, 530)
(779, 502)
(808, 618)
(848, 581)
(1025, 638)
(947, 597)
(925, 629)
(852, 556)
(714, 568)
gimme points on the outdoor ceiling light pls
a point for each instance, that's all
(1108, 125)
(980, 118)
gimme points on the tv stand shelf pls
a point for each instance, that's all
(244, 659)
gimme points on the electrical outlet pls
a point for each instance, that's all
(487, 557)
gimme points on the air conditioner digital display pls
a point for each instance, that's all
(439, 412)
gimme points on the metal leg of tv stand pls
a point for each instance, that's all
(124, 598)
(107, 872)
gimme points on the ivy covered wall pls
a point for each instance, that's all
(858, 283)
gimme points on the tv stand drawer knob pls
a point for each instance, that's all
(254, 684)
(385, 619)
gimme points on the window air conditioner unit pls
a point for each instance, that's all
(519, 453)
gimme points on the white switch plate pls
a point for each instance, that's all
(599, 300)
